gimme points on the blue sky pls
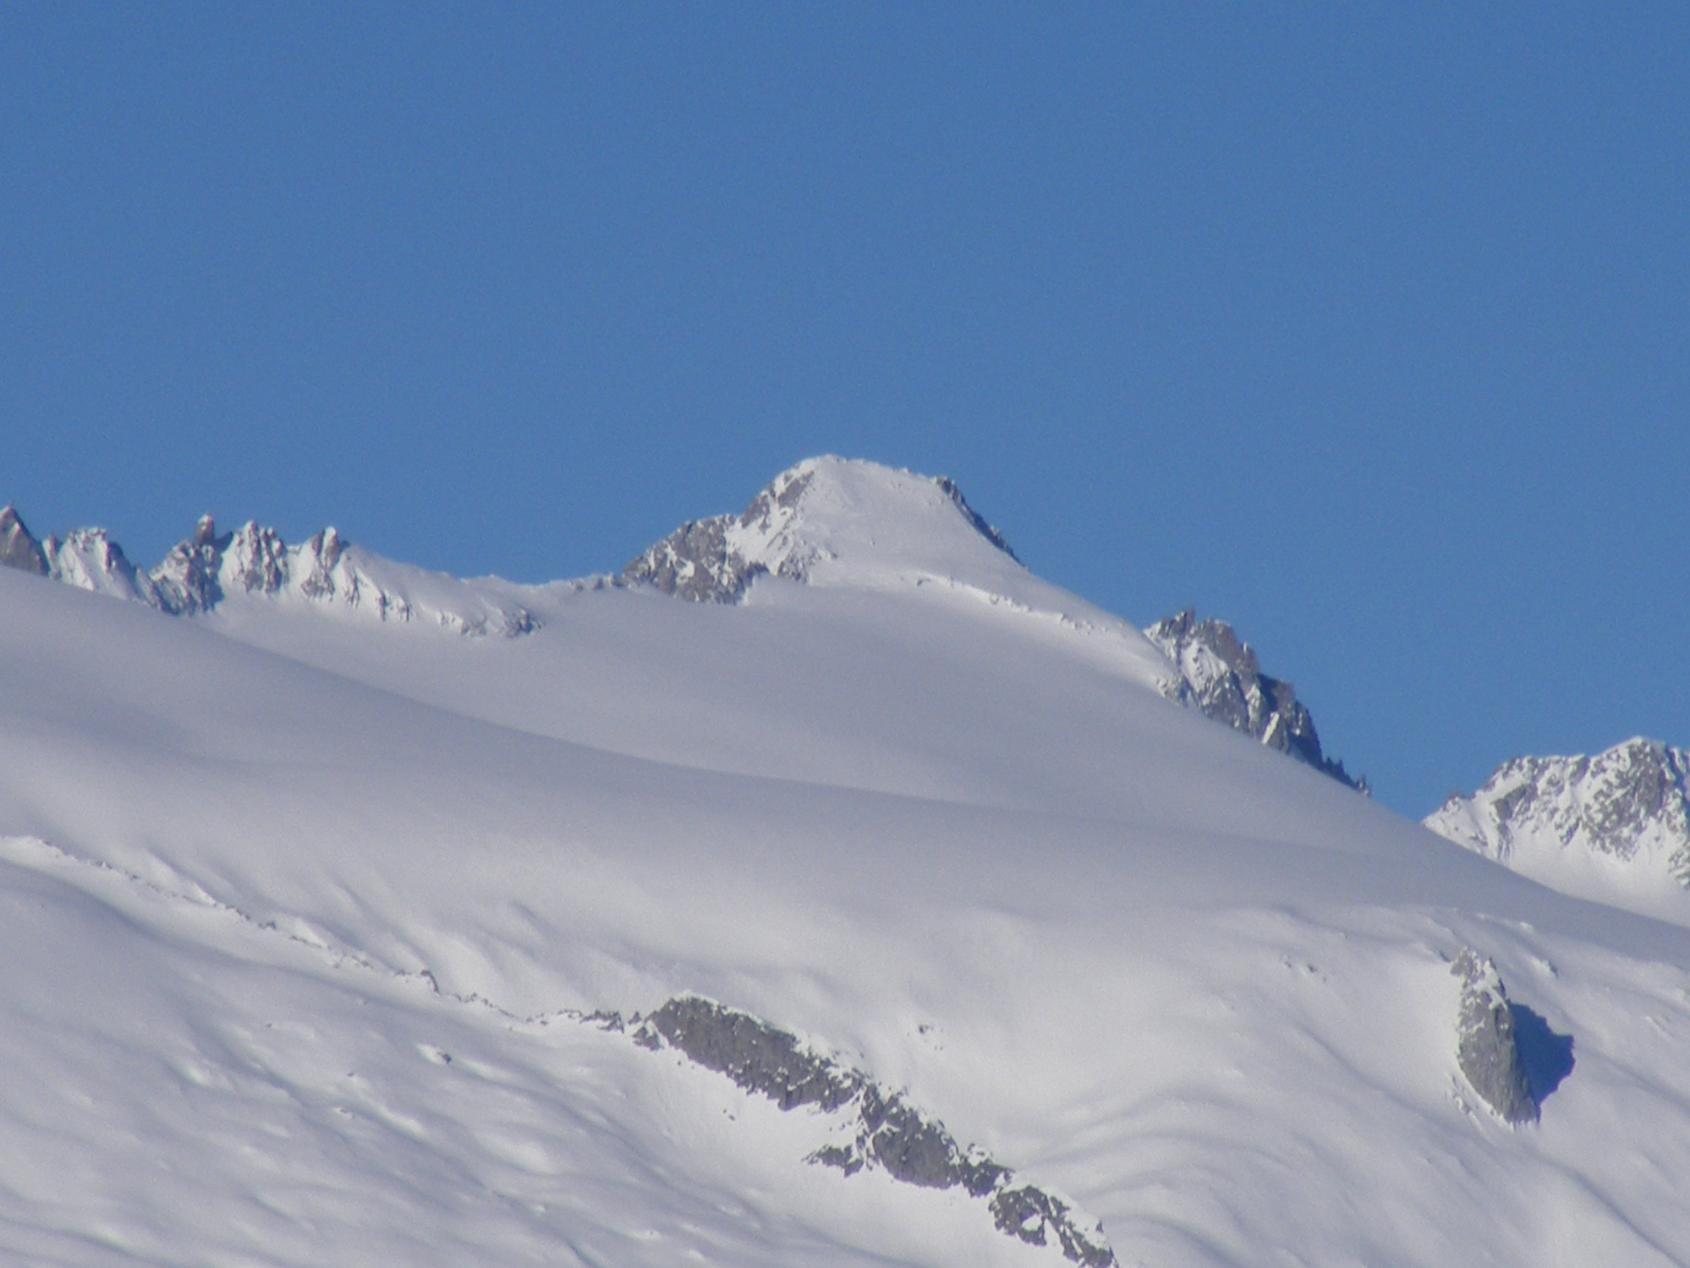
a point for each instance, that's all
(1365, 327)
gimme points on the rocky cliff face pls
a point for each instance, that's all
(1220, 676)
(1627, 808)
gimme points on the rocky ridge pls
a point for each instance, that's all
(882, 1130)
(1221, 678)
(1629, 806)
(207, 568)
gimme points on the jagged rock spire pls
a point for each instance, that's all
(18, 546)
(1221, 678)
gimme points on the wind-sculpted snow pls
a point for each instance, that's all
(882, 1129)
(1486, 1048)
(1220, 677)
(206, 571)
(1614, 827)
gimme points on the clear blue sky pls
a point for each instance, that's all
(1364, 327)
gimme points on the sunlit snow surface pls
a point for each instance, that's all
(263, 872)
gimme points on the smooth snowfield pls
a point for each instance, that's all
(953, 833)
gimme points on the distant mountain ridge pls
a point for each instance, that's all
(1621, 815)
(206, 569)
(796, 527)
(823, 521)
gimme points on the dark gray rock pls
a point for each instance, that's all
(18, 547)
(1486, 1047)
(755, 1056)
(696, 563)
(1032, 1214)
(186, 580)
(887, 1132)
(949, 488)
(1221, 678)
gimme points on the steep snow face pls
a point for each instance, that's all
(831, 521)
(208, 571)
(1220, 677)
(18, 547)
(1612, 826)
(89, 559)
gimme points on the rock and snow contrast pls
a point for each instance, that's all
(830, 521)
(1220, 677)
(206, 571)
(1614, 827)
(887, 915)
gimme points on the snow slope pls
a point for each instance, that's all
(265, 870)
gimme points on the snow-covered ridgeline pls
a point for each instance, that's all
(831, 521)
(206, 569)
(1587, 824)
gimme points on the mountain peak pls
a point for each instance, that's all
(18, 546)
(828, 520)
(1625, 810)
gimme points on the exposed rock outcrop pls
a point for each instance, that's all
(880, 1128)
(205, 570)
(18, 547)
(1486, 1046)
(1220, 677)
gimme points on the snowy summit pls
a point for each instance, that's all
(879, 906)
(830, 521)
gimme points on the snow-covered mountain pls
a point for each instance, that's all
(893, 917)
(826, 521)
(208, 570)
(1614, 826)
(1219, 676)
(830, 521)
